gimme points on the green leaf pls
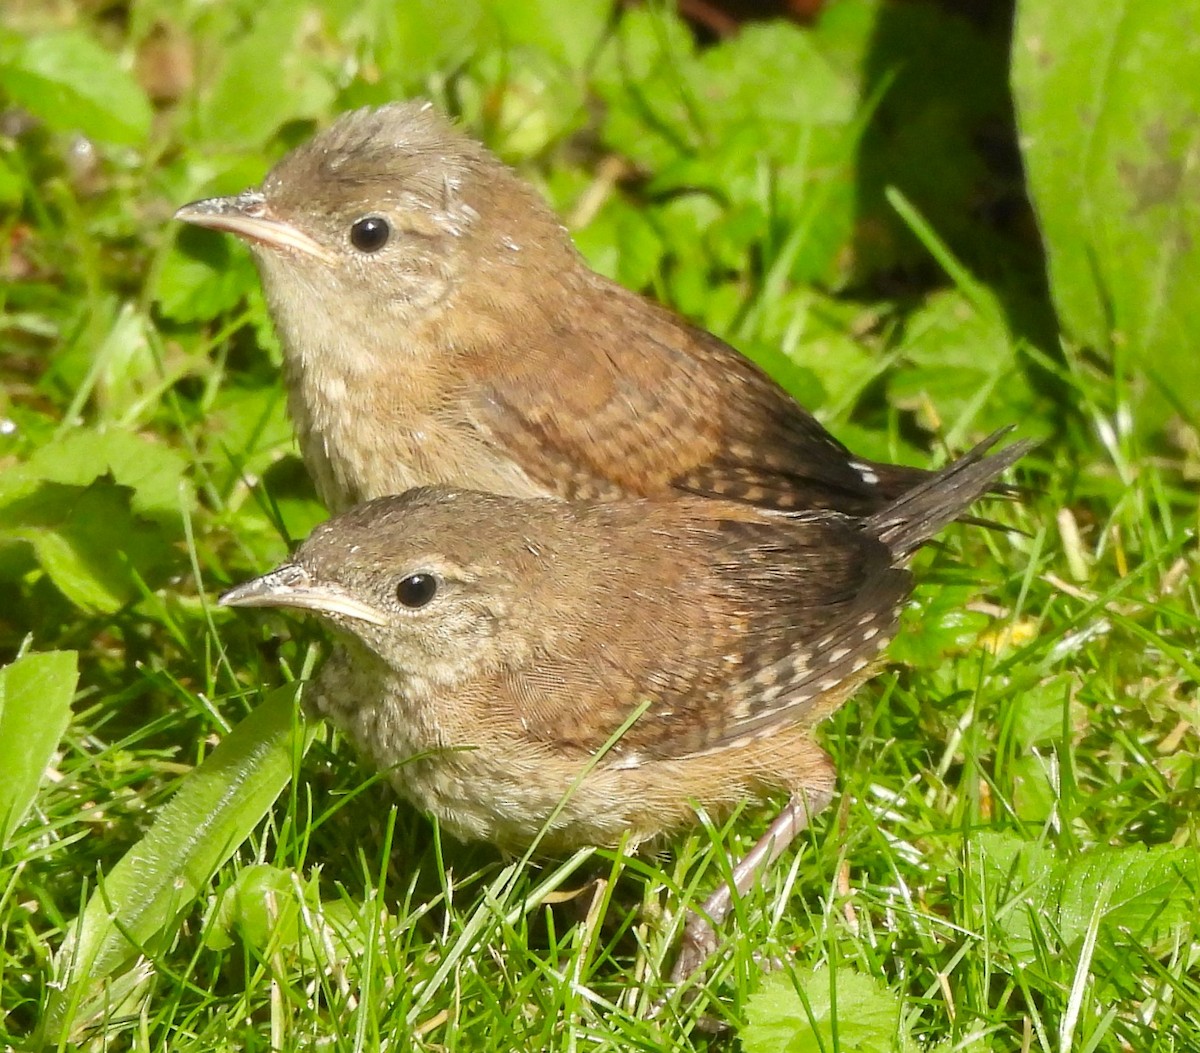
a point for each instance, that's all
(1037, 712)
(1142, 891)
(12, 184)
(1019, 878)
(35, 707)
(1107, 97)
(803, 339)
(936, 623)
(90, 542)
(416, 39)
(802, 1013)
(1044, 903)
(263, 907)
(765, 123)
(217, 807)
(203, 276)
(622, 243)
(1034, 794)
(69, 81)
(101, 510)
(155, 473)
(252, 98)
(568, 33)
(247, 430)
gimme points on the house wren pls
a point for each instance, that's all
(440, 328)
(492, 647)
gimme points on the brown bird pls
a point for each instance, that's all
(440, 328)
(574, 672)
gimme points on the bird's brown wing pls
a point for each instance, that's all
(627, 398)
(769, 623)
(756, 619)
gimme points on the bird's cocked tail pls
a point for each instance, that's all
(942, 497)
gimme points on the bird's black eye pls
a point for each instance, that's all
(370, 233)
(416, 590)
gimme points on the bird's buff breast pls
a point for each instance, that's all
(497, 790)
(374, 422)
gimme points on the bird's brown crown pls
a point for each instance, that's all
(401, 154)
(410, 165)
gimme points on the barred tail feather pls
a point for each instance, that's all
(916, 515)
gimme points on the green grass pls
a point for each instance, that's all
(1011, 862)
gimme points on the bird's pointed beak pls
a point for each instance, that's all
(292, 586)
(249, 217)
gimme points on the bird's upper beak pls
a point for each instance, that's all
(249, 216)
(290, 585)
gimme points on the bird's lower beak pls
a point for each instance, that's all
(292, 586)
(249, 217)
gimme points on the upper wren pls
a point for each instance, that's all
(440, 327)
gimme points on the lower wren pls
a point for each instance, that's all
(491, 648)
